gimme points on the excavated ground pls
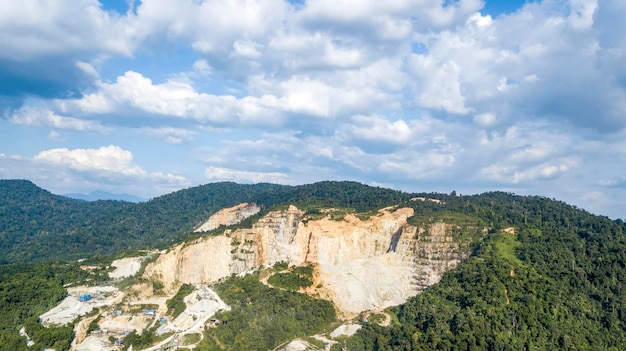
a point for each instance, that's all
(360, 265)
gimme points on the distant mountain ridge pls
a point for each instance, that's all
(104, 195)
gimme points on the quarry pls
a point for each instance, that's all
(362, 264)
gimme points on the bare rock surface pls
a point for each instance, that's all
(71, 307)
(229, 216)
(347, 329)
(125, 267)
(363, 265)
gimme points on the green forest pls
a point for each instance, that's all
(38, 226)
(263, 318)
(556, 282)
(26, 292)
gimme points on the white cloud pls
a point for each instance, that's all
(303, 51)
(54, 135)
(439, 86)
(84, 170)
(485, 119)
(107, 158)
(246, 48)
(34, 116)
(378, 91)
(581, 14)
(273, 102)
(211, 26)
(170, 135)
(387, 20)
(88, 68)
(34, 28)
(225, 174)
(376, 128)
(540, 150)
(174, 98)
(428, 165)
(515, 174)
(619, 181)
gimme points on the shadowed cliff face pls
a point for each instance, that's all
(361, 264)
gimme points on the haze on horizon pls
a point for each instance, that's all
(145, 98)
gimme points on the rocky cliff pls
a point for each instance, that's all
(229, 216)
(361, 264)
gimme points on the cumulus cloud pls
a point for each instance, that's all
(510, 173)
(222, 174)
(110, 168)
(272, 102)
(176, 98)
(382, 92)
(34, 116)
(374, 128)
(617, 182)
(107, 158)
(46, 45)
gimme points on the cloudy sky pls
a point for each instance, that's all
(147, 97)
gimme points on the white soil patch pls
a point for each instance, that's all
(29, 341)
(125, 267)
(297, 345)
(126, 323)
(93, 343)
(71, 308)
(347, 329)
(327, 342)
(202, 304)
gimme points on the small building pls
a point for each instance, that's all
(149, 312)
(84, 297)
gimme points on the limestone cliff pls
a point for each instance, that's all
(229, 216)
(362, 264)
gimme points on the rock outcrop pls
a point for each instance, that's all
(229, 216)
(362, 264)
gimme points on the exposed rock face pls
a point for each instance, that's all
(80, 330)
(229, 216)
(363, 265)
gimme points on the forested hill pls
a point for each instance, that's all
(31, 219)
(547, 276)
(37, 226)
(554, 280)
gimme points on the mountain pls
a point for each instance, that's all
(103, 195)
(552, 280)
(494, 271)
(35, 222)
(38, 226)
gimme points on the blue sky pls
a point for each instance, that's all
(147, 97)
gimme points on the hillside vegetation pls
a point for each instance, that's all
(547, 276)
(38, 226)
(26, 292)
(556, 283)
(262, 318)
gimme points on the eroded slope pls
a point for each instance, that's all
(362, 264)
